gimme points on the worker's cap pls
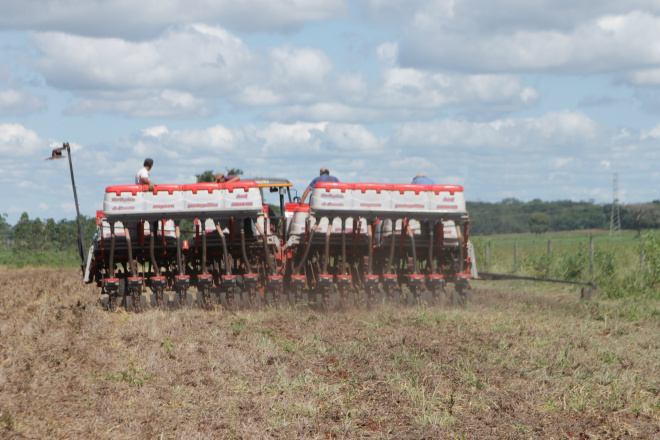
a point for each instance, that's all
(420, 175)
(325, 170)
(218, 176)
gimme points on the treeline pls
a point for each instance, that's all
(38, 242)
(513, 216)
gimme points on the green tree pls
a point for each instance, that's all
(50, 235)
(37, 236)
(65, 234)
(539, 222)
(206, 176)
(642, 214)
(22, 231)
(89, 229)
(5, 229)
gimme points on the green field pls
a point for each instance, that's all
(626, 267)
(61, 259)
(626, 248)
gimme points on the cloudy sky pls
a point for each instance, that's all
(509, 98)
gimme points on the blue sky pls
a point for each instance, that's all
(508, 98)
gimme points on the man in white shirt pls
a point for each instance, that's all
(142, 176)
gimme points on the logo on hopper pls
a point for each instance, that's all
(163, 206)
(241, 204)
(448, 199)
(123, 208)
(202, 205)
(331, 204)
(123, 199)
(409, 205)
(447, 207)
(238, 196)
(332, 196)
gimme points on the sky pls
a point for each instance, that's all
(509, 98)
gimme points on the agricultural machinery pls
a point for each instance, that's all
(353, 244)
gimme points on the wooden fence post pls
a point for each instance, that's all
(591, 255)
(515, 255)
(549, 246)
(641, 253)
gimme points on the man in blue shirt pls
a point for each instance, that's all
(421, 179)
(324, 177)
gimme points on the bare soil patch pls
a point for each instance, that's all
(512, 365)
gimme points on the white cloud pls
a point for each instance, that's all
(188, 72)
(643, 78)
(410, 88)
(17, 102)
(213, 139)
(202, 57)
(166, 104)
(653, 133)
(404, 94)
(499, 16)
(257, 95)
(18, 141)
(155, 131)
(290, 75)
(477, 36)
(557, 131)
(388, 53)
(338, 112)
(560, 162)
(278, 135)
(299, 67)
(352, 139)
(15, 98)
(43, 206)
(175, 75)
(150, 17)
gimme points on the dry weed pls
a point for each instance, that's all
(512, 365)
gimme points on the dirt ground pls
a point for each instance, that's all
(514, 364)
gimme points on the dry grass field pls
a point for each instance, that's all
(516, 364)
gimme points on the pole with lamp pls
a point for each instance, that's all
(57, 154)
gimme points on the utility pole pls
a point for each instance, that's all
(615, 220)
(57, 154)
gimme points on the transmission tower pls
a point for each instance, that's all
(615, 221)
